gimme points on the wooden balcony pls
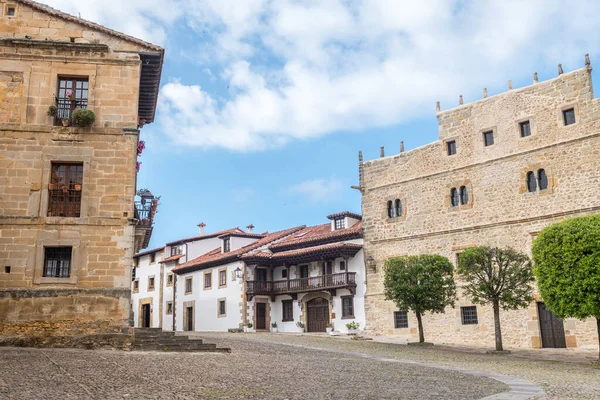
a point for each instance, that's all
(343, 280)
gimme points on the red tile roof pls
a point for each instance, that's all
(345, 214)
(307, 254)
(144, 253)
(207, 236)
(243, 234)
(172, 258)
(317, 235)
(216, 257)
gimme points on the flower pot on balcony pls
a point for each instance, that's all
(51, 186)
(78, 187)
(274, 330)
(65, 122)
(328, 329)
(65, 188)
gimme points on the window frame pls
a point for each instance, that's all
(303, 267)
(468, 315)
(136, 285)
(284, 304)
(284, 273)
(398, 209)
(343, 300)
(390, 209)
(170, 279)
(209, 275)
(226, 245)
(521, 130)
(454, 197)
(542, 177)
(569, 110)
(531, 182)
(151, 279)
(188, 287)
(222, 311)
(152, 258)
(464, 195)
(65, 104)
(451, 147)
(65, 201)
(488, 138)
(167, 311)
(403, 320)
(343, 265)
(60, 257)
(222, 277)
(339, 223)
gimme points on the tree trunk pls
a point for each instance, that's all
(598, 328)
(421, 335)
(497, 328)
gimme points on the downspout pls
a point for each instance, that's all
(174, 303)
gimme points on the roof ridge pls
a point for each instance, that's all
(61, 14)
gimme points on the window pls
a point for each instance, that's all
(342, 265)
(260, 274)
(72, 94)
(207, 280)
(169, 279)
(64, 190)
(340, 223)
(222, 307)
(469, 315)
(569, 116)
(133, 273)
(176, 250)
(400, 319)
(188, 285)
(136, 262)
(226, 245)
(525, 128)
(451, 147)
(7, 269)
(169, 308)
(304, 271)
(10, 11)
(57, 262)
(454, 198)
(464, 195)
(284, 273)
(347, 306)
(288, 310)
(488, 138)
(542, 179)
(398, 207)
(390, 209)
(152, 258)
(151, 283)
(136, 286)
(223, 278)
(531, 182)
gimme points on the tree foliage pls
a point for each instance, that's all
(497, 275)
(421, 284)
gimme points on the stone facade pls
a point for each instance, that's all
(38, 47)
(500, 210)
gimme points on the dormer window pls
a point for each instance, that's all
(340, 223)
(176, 250)
(226, 245)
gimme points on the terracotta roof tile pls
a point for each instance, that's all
(351, 248)
(345, 214)
(317, 235)
(144, 253)
(172, 258)
(207, 236)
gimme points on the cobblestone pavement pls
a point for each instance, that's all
(560, 380)
(261, 366)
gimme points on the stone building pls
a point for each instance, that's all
(69, 226)
(504, 167)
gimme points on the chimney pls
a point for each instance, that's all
(535, 77)
(250, 228)
(401, 147)
(201, 226)
(381, 152)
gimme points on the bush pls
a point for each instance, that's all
(52, 111)
(83, 118)
(353, 325)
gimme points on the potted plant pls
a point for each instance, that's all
(77, 187)
(250, 327)
(329, 327)
(65, 121)
(52, 111)
(65, 188)
(353, 327)
(83, 117)
(300, 325)
(274, 327)
(51, 186)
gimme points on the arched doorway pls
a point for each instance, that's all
(317, 314)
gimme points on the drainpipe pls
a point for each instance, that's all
(174, 303)
(244, 297)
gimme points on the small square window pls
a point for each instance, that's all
(469, 315)
(7, 269)
(342, 265)
(347, 306)
(188, 285)
(221, 307)
(152, 258)
(170, 280)
(340, 223)
(11, 11)
(136, 286)
(151, 283)
(222, 278)
(400, 319)
(169, 307)
(488, 138)
(226, 245)
(451, 147)
(569, 116)
(525, 128)
(57, 262)
(207, 280)
(288, 310)
(284, 273)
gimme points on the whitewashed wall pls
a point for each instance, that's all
(144, 270)
(167, 319)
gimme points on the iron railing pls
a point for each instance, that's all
(299, 285)
(65, 107)
(65, 201)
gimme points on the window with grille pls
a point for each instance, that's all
(488, 138)
(288, 310)
(169, 307)
(569, 116)
(398, 207)
(57, 262)
(222, 278)
(542, 179)
(133, 273)
(188, 285)
(207, 280)
(226, 245)
(64, 190)
(340, 223)
(347, 306)
(72, 94)
(451, 147)
(304, 271)
(221, 307)
(400, 319)
(525, 128)
(454, 197)
(464, 195)
(469, 315)
(531, 182)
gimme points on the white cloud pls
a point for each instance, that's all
(317, 190)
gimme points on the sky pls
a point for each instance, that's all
(265, 104)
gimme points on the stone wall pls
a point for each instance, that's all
(11, 97)
(501, 212)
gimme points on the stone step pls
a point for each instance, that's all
(170, 347)
(167, 340)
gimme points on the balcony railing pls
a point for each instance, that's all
(65, 109)
(301, 285)
(64, 202)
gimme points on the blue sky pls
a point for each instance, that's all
(265, 104)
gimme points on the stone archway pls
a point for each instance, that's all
(320, 308)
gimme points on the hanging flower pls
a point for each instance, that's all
(141, 146)
(138, 165)
(70, 95)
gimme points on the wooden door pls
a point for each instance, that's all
(189, 313)
(318, 314)
(552, 329)
(261, 316)
(304, 271)
(145, 315)
(328, 271)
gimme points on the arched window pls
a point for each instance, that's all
(390, 209)
(398, 207)
(531, 182)
(464, 195)
(542, 179)
(454, 197)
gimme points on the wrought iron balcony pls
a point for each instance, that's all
(65, 108)
(343, 280)
(144, 212)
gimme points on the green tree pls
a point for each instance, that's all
(500, 277)
(423, 283)
(566, 259)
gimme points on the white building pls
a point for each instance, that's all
(309, 275)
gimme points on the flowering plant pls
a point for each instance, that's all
(70, 95)
(138, 165)
(141, 146)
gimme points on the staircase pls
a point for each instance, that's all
(155, 339)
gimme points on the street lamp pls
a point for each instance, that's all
(238, 273)
(371, 263)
